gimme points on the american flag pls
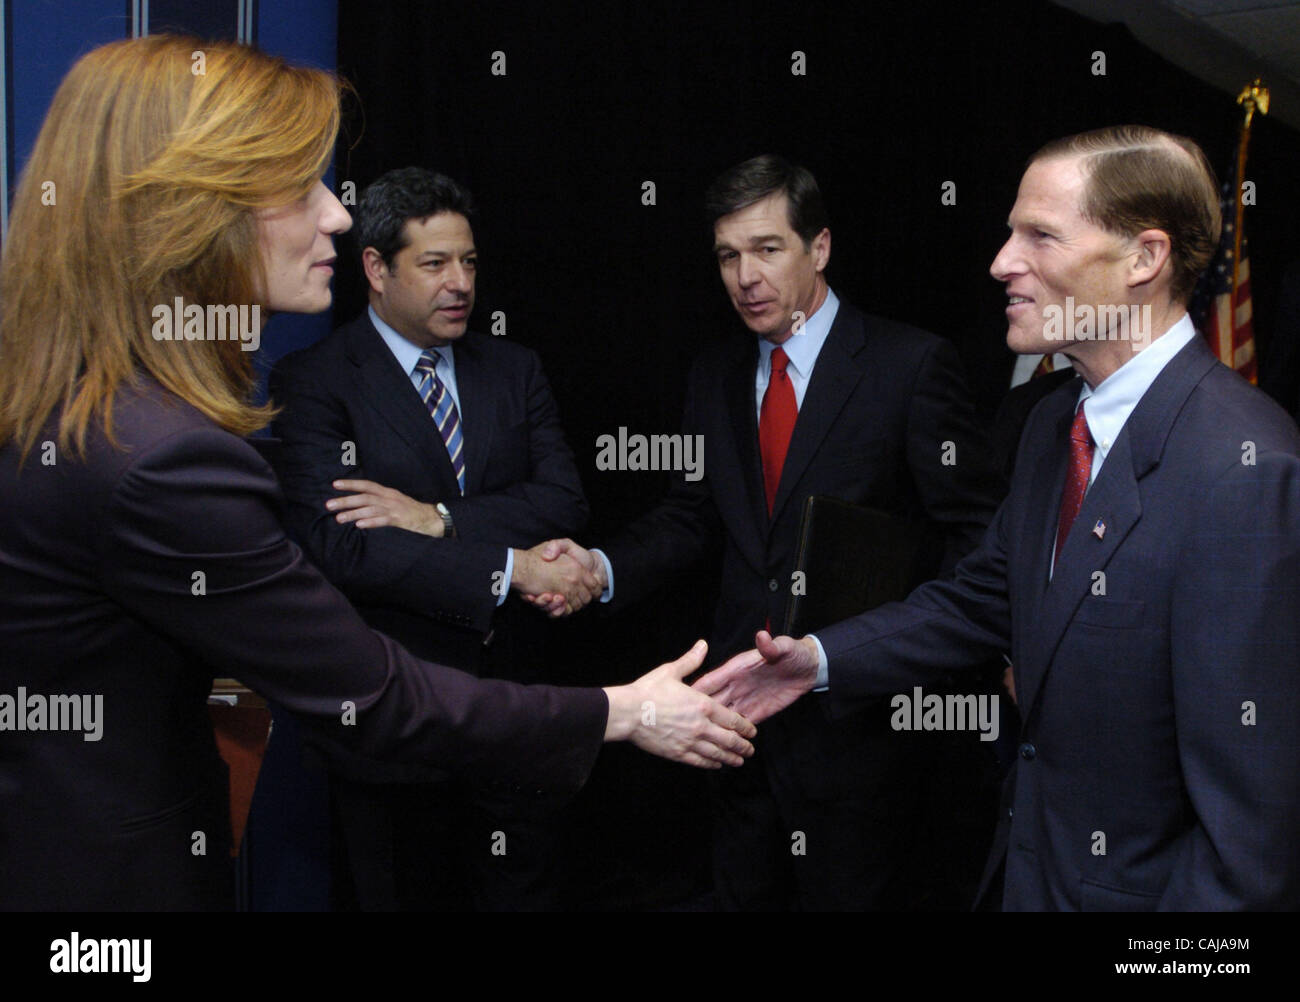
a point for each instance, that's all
(1221, 313)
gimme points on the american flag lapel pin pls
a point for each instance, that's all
(1099, 530)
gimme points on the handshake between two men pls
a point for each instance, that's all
(658, 713)
(559, 571)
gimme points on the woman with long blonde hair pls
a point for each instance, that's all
(140, 549)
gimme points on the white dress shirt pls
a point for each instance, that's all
(801, 349)
(408, 354)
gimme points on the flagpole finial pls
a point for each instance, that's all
(1253, 97)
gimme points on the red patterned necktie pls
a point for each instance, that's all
(1076, 479)
(776, 424)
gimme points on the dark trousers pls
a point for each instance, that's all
(776, 849)
(441, 847)
(884, 821)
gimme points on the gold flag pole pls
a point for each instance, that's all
(1253, 97)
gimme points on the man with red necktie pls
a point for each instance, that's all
(1144, 571)
(825, 400)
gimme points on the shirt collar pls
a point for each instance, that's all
(1111, 403)
(803, 348)
(406, 353)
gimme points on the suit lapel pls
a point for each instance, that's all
(1047, 477)
(390, 391)
(744, 424)
(474, 386)
(1114, 500)
(835, 375)
(1048, 483)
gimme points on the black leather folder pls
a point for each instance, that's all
(853, 559)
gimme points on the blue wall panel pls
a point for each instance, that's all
(302, 31)
(47, 38)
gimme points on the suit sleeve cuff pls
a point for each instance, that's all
(823, 667)
(608, 594)
(510, 573)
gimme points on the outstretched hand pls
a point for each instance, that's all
(764, 681)
(662, 715)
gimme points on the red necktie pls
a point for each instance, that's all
(776, 424)
(1076, 479)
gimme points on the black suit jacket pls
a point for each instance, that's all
(99, 595)
(1014, 411)
(521, 485)
(1159, 762)
(883, 399)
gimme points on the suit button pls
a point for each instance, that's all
(1011, 812)
(773, 585)
(1028, 751)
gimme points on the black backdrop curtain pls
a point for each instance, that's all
(617, 296)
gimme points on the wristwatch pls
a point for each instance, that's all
(448, 526)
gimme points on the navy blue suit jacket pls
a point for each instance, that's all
(1157, 672)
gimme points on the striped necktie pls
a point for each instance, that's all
(442, 408)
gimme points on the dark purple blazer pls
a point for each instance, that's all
(141, 573)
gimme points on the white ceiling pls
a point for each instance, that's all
(1224, 42)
